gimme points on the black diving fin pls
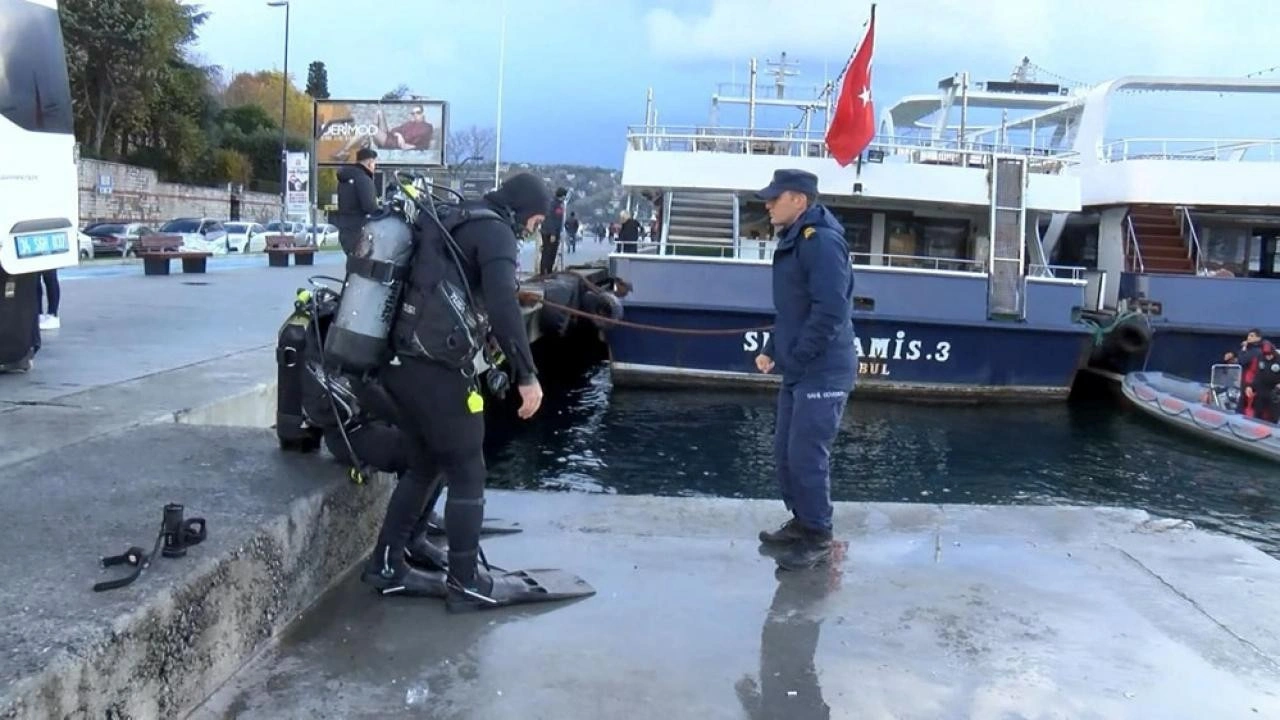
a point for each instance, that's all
(491, 526)
(519, 587)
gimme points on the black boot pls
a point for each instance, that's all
(790, 533)
(388, 576)
(386, 569)
(812, 549)
(421, 552)
(468, 585)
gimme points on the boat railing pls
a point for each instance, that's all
(802, 143)
(1189, 231)
(1061, 272)
(1131, 245)
(754, 249)
(918, 262)
(1205, 149)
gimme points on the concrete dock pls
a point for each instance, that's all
(933, 611)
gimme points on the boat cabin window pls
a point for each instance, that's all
(1077, 246)
(857, 231)
(915, 239)
(1240, 251)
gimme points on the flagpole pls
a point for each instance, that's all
(848, 63)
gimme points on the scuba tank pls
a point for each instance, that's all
(376, 270)
(292, 428)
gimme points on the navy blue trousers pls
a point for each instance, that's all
(809, 416)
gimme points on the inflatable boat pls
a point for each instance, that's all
(1205, 409)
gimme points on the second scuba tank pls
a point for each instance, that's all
(292, 428)
(376, 271)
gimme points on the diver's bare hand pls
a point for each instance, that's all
(530, 399)
(764, 363)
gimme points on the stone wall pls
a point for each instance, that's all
(113, 191)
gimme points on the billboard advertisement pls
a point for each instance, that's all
(298, 188)
(405, 133)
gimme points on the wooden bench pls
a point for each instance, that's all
(279, 256)
(157, 263)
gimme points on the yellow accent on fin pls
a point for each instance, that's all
(808, 232)
(475, 402)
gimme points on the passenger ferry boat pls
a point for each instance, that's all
(954, 295)
(1184, 230)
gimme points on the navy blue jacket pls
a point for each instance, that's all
(813, 295)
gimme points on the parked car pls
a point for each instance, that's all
(295, 231)
(243, 237)
(116, 238)
(201, 234)
(320, 235)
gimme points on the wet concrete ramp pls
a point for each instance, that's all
(934, 612)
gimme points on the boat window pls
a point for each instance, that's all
(857, 230)
(1077, 246)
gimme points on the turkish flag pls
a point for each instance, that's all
(853, 124)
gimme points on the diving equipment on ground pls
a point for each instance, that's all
(176, 535)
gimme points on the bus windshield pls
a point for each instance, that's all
(38, 178)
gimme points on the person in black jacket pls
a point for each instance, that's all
(552, 227)
(445, 423)
(357, 198)
(1261, 390)
(629, 234)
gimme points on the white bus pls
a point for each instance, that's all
(39, 184)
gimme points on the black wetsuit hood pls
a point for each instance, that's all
(525, 195)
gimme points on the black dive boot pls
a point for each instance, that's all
(811, 550)
(387, 572)
(421, 552)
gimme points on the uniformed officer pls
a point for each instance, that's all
(812, 346)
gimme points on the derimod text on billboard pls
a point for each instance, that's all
(404, 133)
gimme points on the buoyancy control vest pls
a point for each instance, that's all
(439, 318)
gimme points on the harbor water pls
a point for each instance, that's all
(591, 437)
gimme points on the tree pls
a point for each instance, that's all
(263, 88)
(124, 57)
(399, 93)
(232, 166)
(471, 142)
(318, 80)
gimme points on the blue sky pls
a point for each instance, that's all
(577, 70)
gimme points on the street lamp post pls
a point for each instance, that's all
(502, 66)
(284, 114)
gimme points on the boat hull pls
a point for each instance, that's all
(1183, 352)
(896, 356)
(1176, 401)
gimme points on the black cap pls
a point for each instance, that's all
(525, 194)
(796, 180)
(366, 154)
(561, 192)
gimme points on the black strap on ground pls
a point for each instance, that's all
(190, 532)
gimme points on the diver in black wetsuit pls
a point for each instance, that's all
(444, 421)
